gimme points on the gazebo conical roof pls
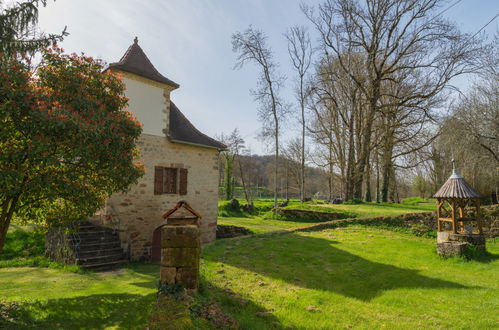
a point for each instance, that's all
(456, 187)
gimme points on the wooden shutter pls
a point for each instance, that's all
(183, 182)
(158, 180)
(170, 181)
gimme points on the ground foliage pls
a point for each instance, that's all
(356, 273)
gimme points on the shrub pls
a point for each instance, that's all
(354, 201)
(413, 200)
(23, 244)
(26, 248)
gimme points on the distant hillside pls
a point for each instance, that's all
(258, 173)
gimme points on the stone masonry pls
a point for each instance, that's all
(138, 212)
(180, 253)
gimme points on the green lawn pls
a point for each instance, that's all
(263, 222)
(375, 210)
(54, 299)
(348, 277)
(259, 226)
(353, 277)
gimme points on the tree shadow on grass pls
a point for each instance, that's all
(248, 314)
(315, 263)
(123, 311)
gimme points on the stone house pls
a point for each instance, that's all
(181, 162)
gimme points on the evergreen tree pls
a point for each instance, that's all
(18, 32)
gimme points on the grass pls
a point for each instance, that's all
(379, 209)
(350, 276)
(263, 220)
(355, 276)
(258, 225)
(25, 247)
(52, 298)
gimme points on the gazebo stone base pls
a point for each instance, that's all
(451, 249)
(450, 244)
(478, 240)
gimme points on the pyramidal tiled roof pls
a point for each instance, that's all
(182, 131)
(456, 187)
(136, 61)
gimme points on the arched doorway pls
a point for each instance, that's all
(156, 245)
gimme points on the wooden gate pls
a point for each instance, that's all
(156, 245)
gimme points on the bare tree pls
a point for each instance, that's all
(251, 46)
(400, 42)
(235, 144)
(338, 121)
(300, 53)
(294, 154)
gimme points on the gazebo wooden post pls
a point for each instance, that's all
(461, 206)
(453, 216)
(439, 205)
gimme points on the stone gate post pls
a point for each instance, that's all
(180, 253)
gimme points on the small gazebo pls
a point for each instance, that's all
(456, 225)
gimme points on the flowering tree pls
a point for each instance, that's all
(66, 143)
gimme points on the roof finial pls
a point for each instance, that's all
(136, 40)
(454, 175)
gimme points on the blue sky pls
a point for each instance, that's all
(189, 42)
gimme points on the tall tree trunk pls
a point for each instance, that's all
(330, 171)
(366, 141)
(377, 179)
(394, 196)
(386, 174)
(243, 182)
(228, 182)
(302, 165)
(287, 179)
(8, 207)
(387, 167)
(368, 197)
(276, 171)
(350, 180)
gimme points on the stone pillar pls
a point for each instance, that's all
(180, 253)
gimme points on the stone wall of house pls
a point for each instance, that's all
(139, 212)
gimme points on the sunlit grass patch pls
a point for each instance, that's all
(354, 276)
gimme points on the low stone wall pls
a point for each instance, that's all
(58, 247)
(490, 219)
(307, 214)
(226, 231)
(419, 221)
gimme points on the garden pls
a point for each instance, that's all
(288, 274)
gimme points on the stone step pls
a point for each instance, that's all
(100, 259)
(102, 266)
(102, 245)
(84, 240)
(100, 252)
(97, 233)
(100, 248)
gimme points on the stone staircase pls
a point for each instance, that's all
(98, 248)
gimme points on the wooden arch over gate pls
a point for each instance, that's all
(181, 214)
